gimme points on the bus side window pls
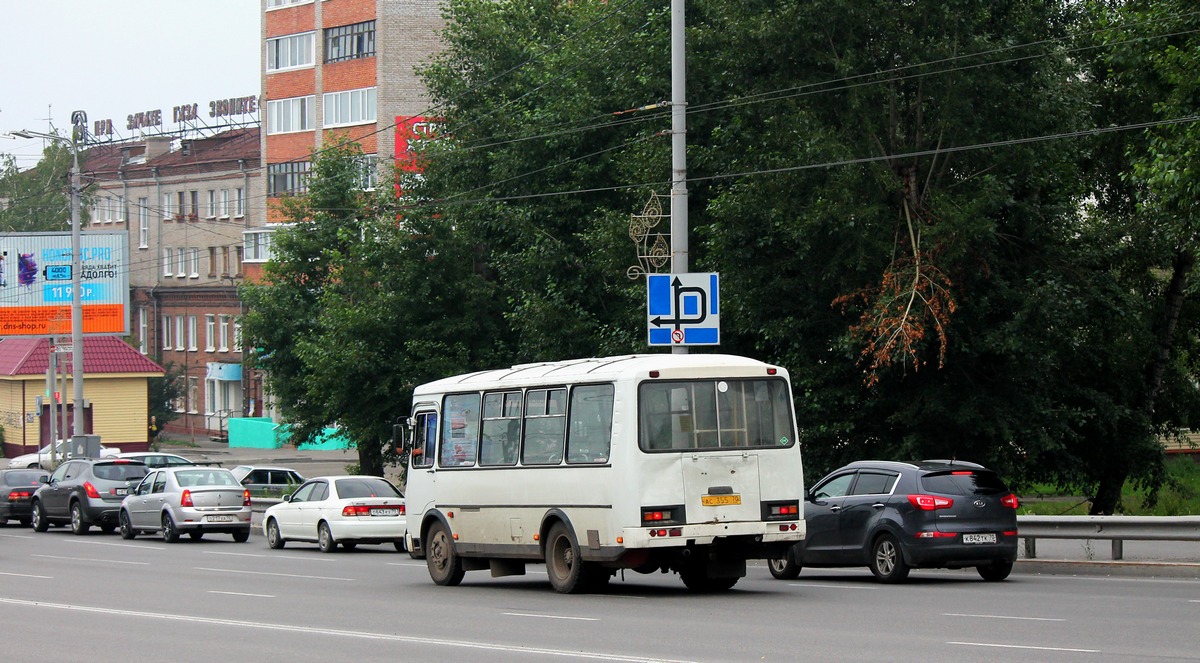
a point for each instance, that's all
(590, 433)
(460, 430)
(424, 439)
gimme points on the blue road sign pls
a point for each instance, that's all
(682, 309)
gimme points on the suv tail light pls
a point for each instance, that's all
(1010, 501)
(930, 502)
(246, 497)
(90, 490)
(186, 499)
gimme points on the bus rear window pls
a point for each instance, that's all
(714, 414)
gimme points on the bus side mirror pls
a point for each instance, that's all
(400, 438)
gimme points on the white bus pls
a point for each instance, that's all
(687, 463)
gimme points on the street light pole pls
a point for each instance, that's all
(76, 276)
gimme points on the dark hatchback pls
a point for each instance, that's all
(16, 491)
(892, 517)
(85, 492)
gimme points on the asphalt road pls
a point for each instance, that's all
(100, 598)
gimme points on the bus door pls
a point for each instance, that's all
(423, 454)
(721, 487)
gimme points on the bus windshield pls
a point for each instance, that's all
(714, 414)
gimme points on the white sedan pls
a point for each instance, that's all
(41, 458)
(340, 509)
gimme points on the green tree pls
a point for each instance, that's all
(38, 198)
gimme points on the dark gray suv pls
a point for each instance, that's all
(85, 492)
(892, 517)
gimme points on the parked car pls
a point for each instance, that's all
(195, 500)
(41, 457)
(262, 480)
(16, 492)
(340, 509)
(893, 517)
(156, 459)
(85, 492)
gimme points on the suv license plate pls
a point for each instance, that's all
(979, 538)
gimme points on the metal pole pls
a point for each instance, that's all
(52, 408)
(679, 200)
(76, 294)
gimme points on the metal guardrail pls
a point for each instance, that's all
(1118, 529)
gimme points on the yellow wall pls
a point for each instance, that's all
(119, 407)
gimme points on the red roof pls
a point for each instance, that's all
(101, 354)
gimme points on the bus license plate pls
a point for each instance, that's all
(979, 538)
(720, 500)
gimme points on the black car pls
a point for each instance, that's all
(86, 492)
(892, 517)
(16, 491)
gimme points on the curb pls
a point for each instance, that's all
(1108, 568)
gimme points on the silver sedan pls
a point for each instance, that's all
(195, 500)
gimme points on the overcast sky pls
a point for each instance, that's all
(114, 58)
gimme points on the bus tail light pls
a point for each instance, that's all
(781, 510)
(656, 516)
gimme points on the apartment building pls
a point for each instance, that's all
(186, 204)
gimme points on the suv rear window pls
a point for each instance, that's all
(963, 482)
(119, 471)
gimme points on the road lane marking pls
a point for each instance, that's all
(119, 545)
(528, 614)
(88, 559)
(813, 584)
(277, 556)
(341, 633)
(26, 575)
(990, 644)
(17, 536)
(266, 573)
(1032, 619)
(263, 596)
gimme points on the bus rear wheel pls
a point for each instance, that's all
(445, 566)
(696, 578)
(568, 573)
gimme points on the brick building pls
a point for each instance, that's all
(185, 203)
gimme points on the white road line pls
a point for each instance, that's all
(26, 575)
(262, 596)
(265, 573)
(277, 556)
(1032, 619)
(88, 559)
(1193, 600)
(341, 633)
(119, 545)
(412, 564)
(813, 584)
(990, 644)
(527, 614)
(16, 536)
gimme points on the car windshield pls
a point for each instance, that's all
(365, 487)
(963, 482)
(119, 471)
(189, 478)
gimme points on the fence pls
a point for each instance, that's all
(1117, 529)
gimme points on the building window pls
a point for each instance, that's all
(223, 333)
(181, 263)
(194, 211)
(256, 246)
(195, 254)
(143, 329)
(237, 335)
(224, 209)
(225, 261)
(166, 201)
(191, 321)
(368, 172)
(349, 107)
(276, 4)
(179, 339)
(212, 204)
(212, 262)
(295, 114)
(166, 332)
(143, 223)
(290, 52)
(288, 178)
(239, 202)
(122, 211)
(193, 394)
(182, 211)
(210, 332)
(167, 262)
(237, 260)
(348, 42)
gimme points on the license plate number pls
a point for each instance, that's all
(220, 519)
(979, 538)
(121, 491)
(385, 512)
(720, 500)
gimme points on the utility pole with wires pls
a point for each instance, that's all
(679, 194)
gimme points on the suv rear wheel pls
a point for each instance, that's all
(996, 571)
(79, 526)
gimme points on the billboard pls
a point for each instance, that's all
(36, 288)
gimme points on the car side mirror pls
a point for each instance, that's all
(45, 478)
(287, 498)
